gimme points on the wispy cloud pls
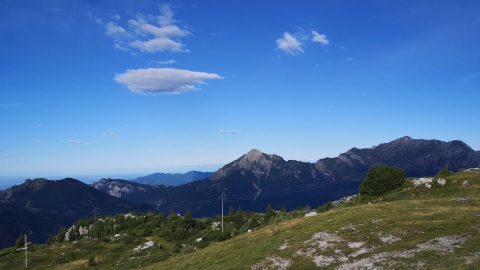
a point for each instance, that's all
(167, 62)
(163, 80)
(350, 59)
(290, 44)
(148, 33)
(38, 124)
(319, 38)
(228, 131)
(115, 31)
(5, 154)
(294, 44)
(74, 141)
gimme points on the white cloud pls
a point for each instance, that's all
(157, 45)
(228, 131)
(290, 44)
(320, 38)
(115, 31)
(293, 44)
(74, 141)
(167, 62)
(163, 80)
(149, 34)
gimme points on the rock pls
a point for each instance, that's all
(388, 239)
(422, 181)
(147, 245)
(272, 262)
(441, 182)
(311, 214)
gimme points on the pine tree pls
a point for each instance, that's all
(20, 241)
(50, 239)
(188, 216)
(443, 172)
(239, 216)
(231, 212)
(269, 213)
(171, 215)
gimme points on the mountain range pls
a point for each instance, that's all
(257, 179)
(40, 207)
(171, 179)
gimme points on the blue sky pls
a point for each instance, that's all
(132, 87)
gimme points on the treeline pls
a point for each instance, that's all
(183, 230)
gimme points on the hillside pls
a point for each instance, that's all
(412, 227)
(40, 207)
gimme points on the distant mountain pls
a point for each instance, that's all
(131, 191)
(257, 179)
(40, 207)
(172, 179)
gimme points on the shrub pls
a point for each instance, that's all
(269, 213)
(326, 207)
(443, 172)
(381, 179)
(20, 241)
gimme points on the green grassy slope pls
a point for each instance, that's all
(408, 228)
(436, 228)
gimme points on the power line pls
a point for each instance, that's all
(276, 192)
(350, 178)
(281, 191)
(222, 212)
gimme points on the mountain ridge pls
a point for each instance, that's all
(40, 207)
(171, 179)
(257, 179)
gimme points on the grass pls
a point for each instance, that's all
(413, 215)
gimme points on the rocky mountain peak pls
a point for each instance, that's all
(254, 161)
(253, 154)
(403, 140)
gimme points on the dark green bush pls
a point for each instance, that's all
(443, 172)
(381, 179)
(326, 207)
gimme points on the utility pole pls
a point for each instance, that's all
(94, 222)
(25, 247)
(222, 212)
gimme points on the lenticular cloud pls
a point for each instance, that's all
(163, 80)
